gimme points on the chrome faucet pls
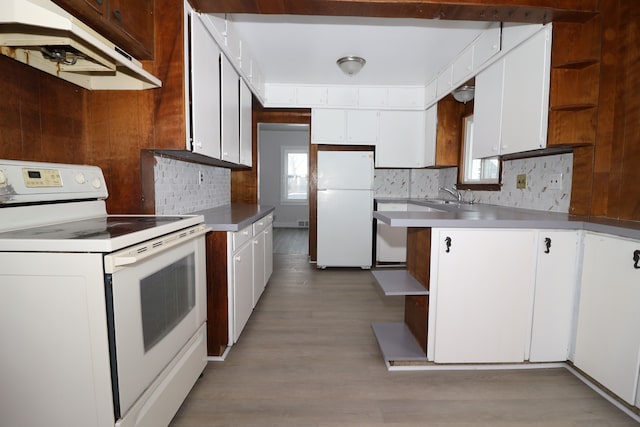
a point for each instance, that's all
(454, 192)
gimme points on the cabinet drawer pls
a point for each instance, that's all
(240, 237)
(260, 225)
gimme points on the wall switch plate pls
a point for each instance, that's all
(554, 181)
(521, 181)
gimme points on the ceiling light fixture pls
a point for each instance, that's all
(464, 93)
(351, 64)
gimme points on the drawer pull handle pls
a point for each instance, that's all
(636, 258)
(547, 245)
(447, 242)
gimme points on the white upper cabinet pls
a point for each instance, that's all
(511, 105)
(444, 83)
(204, 79)
(487, 111)
(525, 95)
(375, 97)
(402, 139)
(486, 46)
(311, 95)
(338, 126)
(230, 102)
(328, 126)
(462, 67)
(246, 125)
(362, 126)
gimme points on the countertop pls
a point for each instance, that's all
(234, 217)
(451, 214)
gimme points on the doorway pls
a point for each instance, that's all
(283, 173)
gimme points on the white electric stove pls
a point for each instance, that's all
(102, 316)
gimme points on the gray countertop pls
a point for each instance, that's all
(455, 215)
(234, 217)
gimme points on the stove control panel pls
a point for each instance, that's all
(42, 177)
(32, 182)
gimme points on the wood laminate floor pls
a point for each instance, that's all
(308, 358)
(290, 240)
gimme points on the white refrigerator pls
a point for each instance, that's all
(345, 209)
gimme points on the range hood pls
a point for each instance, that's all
(41, 34)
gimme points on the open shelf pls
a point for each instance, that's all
(396, 342)
(398, 282)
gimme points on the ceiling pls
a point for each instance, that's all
(302, 49)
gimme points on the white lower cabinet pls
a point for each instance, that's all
(555, 294)
(242, 285)
(268, 252)
(608, 337)
(250, 266)
(481, 290)
(262, 255)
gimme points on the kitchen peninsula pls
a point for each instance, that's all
(521, 287)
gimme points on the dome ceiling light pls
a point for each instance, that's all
(351, 64)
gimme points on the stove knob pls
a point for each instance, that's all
(3, 178)
(96, 183)
(80, 179)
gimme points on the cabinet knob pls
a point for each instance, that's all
(547, 245)
(636, 258)
(238, 258)
(117, 15)
(447, 242)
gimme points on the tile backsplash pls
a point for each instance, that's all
(179, 191)
(422, 183)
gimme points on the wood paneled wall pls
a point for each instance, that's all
(41, 117)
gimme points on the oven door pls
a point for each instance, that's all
(156, 301)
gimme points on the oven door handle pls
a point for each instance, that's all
(132, 255)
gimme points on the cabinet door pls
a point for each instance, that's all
(445, 81)
(205, 90)
(246, 125)
(608, 336)
(134, 18)
(402, 139)
(525, 95)
(431, 134)
(268, 253)
(258, 266)
(242, 288)
(483, 290)
(328, 126)
(362, 126)
(554, 298)
(487, 111)
(487, 45)
(463, 67)
(230, 96)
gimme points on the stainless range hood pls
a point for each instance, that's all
(41, 34)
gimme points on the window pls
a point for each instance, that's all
(295, 167)
(477, 171)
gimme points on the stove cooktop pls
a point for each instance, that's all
(101, 234)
